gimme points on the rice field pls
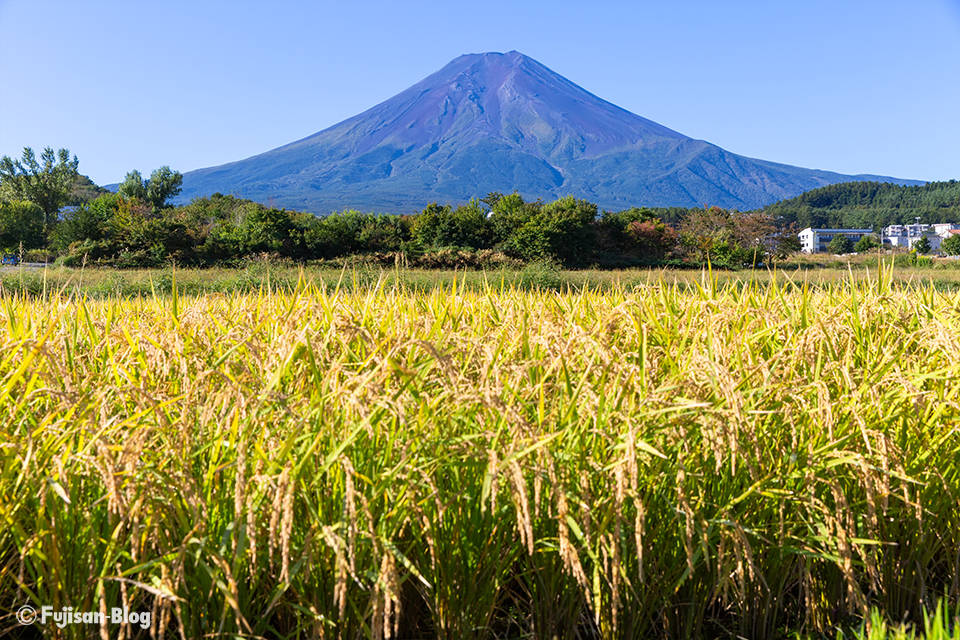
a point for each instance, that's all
(669, 459)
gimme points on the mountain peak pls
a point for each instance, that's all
(501, 122)
(513, 98)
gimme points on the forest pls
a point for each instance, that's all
(870, 205)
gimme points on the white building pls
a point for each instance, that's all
(907, 235)
(904, 235)
(816, 240)
(946, 229)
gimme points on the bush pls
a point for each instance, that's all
(840, 244)
(87, 221)
(38, 255)
(465, 226)
(336, 235)
(654, 240)
(951, 246)
(541, 274)
(81, 253)
(912, 259)
(905, 259)
(866, 244)
(21, 226)
(450, 258)
(562, 230)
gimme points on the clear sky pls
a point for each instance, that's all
(854, 86)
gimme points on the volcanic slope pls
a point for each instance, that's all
(502, 122)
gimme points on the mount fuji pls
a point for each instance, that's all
(503, 122)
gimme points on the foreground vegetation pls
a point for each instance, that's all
(267, 273)
(676, 459)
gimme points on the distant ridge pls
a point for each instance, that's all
(503, 122)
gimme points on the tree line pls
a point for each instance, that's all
(138, 227)
(128, 232)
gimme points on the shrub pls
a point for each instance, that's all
(951, 246)
(562, 230)
(654, 239)
(465, 226)
(840, 244)
(866, 244)
(541, 274)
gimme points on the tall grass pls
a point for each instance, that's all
(675, 460)
(817, 271)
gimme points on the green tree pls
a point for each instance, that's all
(866, 244)
(21, 224)
(133, 186)
(267, 229)
(562, 230)
(951, 246)
(383, 233)
(46, 183)
(614, 243)
(85, 222)
(509, 213)
(726, 238)
(337, 234)
(85, 190)
(786, 245)
(922, 245)
(163, 184)
(465, 226)
(840, 244)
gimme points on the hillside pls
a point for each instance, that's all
(85, 190)
(871, 205)
(502, 122)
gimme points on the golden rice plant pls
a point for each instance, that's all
(669, 460)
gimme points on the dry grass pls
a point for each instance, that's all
(815, 270)
(682, 459)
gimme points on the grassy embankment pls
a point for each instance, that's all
(681, 458)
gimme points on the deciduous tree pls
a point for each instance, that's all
(951, 246)
(163, 184)
(840, 244)
(46, 183)
(133, 186)
(866, 244)
(21, 225)
(465, 226)
(562, 230)
(654, 239)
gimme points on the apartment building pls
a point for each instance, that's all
(816, 240)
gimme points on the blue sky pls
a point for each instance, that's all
(845, 85)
